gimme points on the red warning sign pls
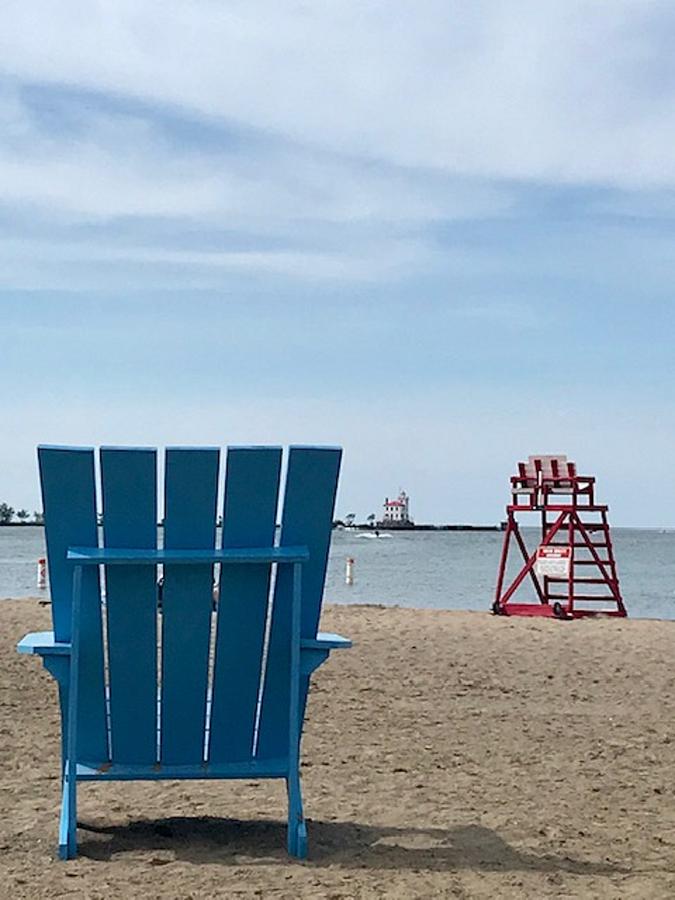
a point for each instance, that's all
(553, 561)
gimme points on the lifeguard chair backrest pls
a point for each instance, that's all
(544, 462)
(188, 729)
(551, 466)
(527, 472)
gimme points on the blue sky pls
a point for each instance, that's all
(439, 234)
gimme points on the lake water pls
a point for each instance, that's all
(438, 570)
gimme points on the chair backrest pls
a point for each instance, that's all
(177, 683)
(527, 472)
(550, 465)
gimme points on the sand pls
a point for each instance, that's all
(445, 755)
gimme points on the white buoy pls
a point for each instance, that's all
(42, 573)
(349, 571)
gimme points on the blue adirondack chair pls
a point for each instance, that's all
(225, 696)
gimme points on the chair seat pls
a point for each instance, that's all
(253, 768)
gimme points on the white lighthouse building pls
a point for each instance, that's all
(396, 512)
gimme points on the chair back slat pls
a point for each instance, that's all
(69, 504)
(309, 501)
(129, 491)
(190, 497)
(530, 470)
(249, 517)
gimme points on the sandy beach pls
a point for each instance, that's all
(446, 755)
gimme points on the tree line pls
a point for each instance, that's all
(8, 515)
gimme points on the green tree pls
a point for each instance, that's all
(22, 515)
(6, 514)
(38, 518)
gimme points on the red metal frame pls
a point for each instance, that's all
(569, 517)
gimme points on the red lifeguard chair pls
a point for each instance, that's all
(572, 570)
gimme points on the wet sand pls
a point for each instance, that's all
(446, 755)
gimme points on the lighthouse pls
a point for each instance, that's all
(396, 512)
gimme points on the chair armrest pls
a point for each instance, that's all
(42, 643)
(96, 556)
(325, 641)
(315, 651)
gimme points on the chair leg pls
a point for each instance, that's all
(68, 822)
(297, 829)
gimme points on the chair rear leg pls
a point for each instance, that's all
(297, 829)
(68, 821)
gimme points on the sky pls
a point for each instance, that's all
(440, 235)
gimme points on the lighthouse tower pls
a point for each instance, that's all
(396, 512)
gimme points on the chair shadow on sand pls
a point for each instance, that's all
(213, 840)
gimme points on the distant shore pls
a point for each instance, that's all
(22, 524)
(337, 526)
(340, 526)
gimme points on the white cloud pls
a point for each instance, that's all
(119, 164)
(341, 133)
(316, 215)
(90, 265)
(566, 90)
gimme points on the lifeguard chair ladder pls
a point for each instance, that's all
(572, 570)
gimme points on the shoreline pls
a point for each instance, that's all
(660, 529)
(45, 602)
